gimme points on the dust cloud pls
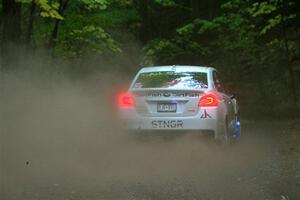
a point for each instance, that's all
(60, 137)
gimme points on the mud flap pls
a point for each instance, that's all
(237, 131)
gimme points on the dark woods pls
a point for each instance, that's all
(254, 43)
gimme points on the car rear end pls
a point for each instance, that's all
(171, 98)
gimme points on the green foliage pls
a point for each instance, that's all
(202, 25)
(165, 51)
(160, 49)
(89, 39)
(273, 11)
(230, 32)
(115, 18)
(48, 9)
(95, 4)
(83, 29)
(262, 8)
(230, 5)
(255, 42)
(166, 2)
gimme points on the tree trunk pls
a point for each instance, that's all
(213, 8)
(53, 37)
(11, 32)
(30, 24)
(290, 71)
(205, 9)
(54, 34)
(195, 6)
(11, 16)
(143, 9)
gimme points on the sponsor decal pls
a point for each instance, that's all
(172, 94)
(167, 124)
(205, 115)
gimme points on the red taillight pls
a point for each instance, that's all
(209, 100)
(125, 100)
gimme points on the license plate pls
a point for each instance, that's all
(166, 107)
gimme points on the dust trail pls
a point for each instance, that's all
(63, 134)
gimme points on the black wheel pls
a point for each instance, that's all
(226, 138)
(227, 134)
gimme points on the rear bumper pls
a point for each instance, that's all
(205, 120)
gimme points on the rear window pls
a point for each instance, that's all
(172, 80)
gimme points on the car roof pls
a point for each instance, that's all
(178, 68)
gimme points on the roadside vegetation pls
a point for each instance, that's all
(254, 43)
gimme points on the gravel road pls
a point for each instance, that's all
(264, 165)
(58, 142)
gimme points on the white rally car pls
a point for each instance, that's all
(180, 98)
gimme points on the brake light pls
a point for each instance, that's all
(209, 100)
(125, 100)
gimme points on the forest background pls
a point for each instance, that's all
(255, 44)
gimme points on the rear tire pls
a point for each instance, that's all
(226, 137)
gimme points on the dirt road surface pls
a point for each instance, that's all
(60, 142)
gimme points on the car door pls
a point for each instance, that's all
(219, 86)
